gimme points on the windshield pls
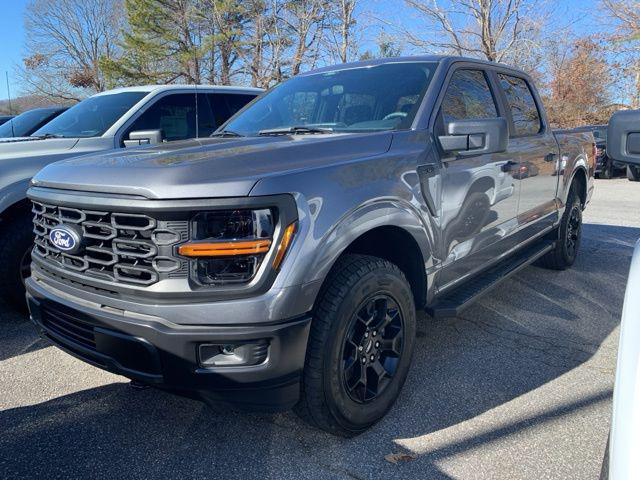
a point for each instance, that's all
(25, 123)
(373, 98)
(91, 117)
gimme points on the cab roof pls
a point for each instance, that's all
(164, 88)
(441, 59)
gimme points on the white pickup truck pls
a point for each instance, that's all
(110, 120)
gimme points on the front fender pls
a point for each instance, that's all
(12, 194)
(313, 255)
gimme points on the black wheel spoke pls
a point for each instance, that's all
(392, 345)
(352, 375)
(379, 370)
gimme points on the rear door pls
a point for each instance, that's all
(479, 195)
(534, 147)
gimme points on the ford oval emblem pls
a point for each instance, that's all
(65, 238)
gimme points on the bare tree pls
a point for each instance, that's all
(65, 41)
(625, 39)
(342, 25)
(305, 21)
(496, 30)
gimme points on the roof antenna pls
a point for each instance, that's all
(6, 76)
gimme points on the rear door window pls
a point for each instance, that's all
(524, 111)
(468, 97)
(206, 120)
(225, 105)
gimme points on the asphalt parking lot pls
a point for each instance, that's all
(519, 386)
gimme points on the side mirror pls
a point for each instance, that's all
(476, 137)
(623, 137)
(144, 137)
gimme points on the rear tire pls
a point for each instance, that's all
(16, 242)
(360, 346)
(633, 173)
(569, 235)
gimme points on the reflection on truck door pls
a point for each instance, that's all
(537, 151)
(479, 194)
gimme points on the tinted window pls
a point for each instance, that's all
(524, 111)
(468, 96)
(206, 121)
(372, 98)
(93, 116)
(225, 105)
(28, 122)
(174, 115)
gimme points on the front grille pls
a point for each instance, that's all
(122, 248)
(68, 327)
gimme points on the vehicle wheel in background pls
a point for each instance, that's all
(607, 170)
(360, 346)
(569, 234)
(633, 173)
(16, 241)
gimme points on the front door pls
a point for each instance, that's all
(479, 193)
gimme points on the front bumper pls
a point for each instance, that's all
(164, 354)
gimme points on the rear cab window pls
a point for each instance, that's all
(524, 110)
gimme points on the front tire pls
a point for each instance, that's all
(16, 242)
(633, 173)
(607, 170)
(569, 235)
(360, 346)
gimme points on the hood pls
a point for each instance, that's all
(205, 168)
(32, 146)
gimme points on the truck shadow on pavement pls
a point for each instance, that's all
(536, 327)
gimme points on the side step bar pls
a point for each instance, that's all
(454, 302)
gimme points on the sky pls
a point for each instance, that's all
(579, 15)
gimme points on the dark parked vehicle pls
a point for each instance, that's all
(281, 263)
(28, 122)
(5, 118)
(606, 167)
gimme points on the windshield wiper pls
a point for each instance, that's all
(225, 133)
(48, 135)
(294, 130)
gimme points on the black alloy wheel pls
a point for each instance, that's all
(573, 230)
(372, 348)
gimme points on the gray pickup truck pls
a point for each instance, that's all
(281, 263)
(117, 118)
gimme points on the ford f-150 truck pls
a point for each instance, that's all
(281, 263)
(106, 121)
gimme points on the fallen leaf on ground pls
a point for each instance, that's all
(399, 457)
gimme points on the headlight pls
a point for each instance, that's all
(229, 246)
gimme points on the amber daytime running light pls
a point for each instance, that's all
(228, 246)
(224, 249)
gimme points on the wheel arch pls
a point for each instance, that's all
(386, 230)
(580, 177)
